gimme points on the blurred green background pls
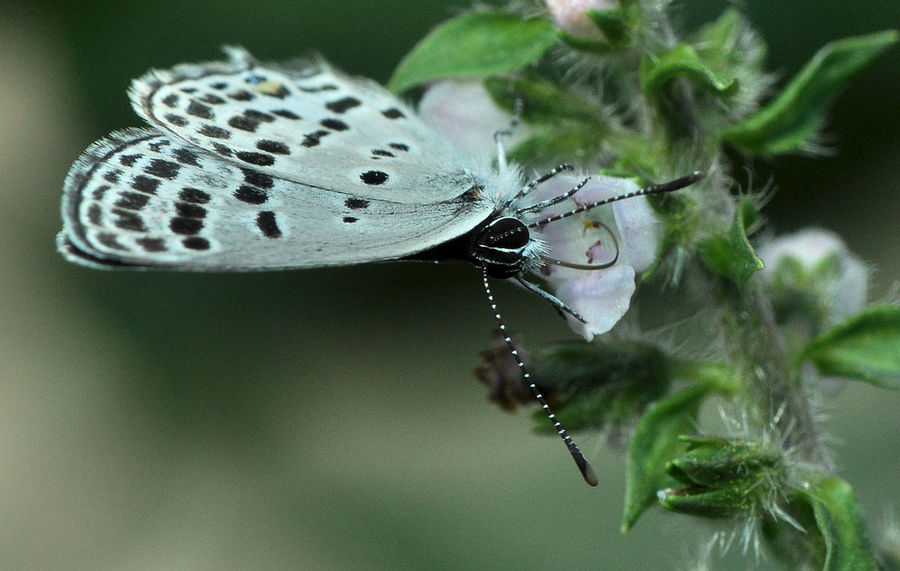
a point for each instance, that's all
(329, 419)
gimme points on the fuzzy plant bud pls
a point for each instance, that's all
(812, 273)
(723, 478)
(571, 16)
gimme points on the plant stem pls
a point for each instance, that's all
(775, 389)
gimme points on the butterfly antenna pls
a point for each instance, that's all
(587, 472)
(663, 188)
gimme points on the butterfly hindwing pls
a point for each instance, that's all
(144, 198)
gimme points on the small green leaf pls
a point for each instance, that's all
(655, 443)
(840, 521)
(613, 23)
(730, 254)
(793, 118)
(683, 61)
(865, 347)
(545, 102)
(477, 43)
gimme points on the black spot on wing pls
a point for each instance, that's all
(196, 243)
(95, 214)
(399, 146)
(356, 203)
(257, 178)
(129, 220)
(284, 113)
(170, 100)
(393, 113)
(211, 99)
(186, 157)
(214, 132)
(275, 147)
(129, 160)
(194, 195)
(267, 224)
(334, 124)
(241, 95)
(145, 184)
(189, 210)
(258, 159)
(176, 120)
(110, 240)
(313, 139)
(243, 123)
(184, 225)
(251, 194)
(152, 244)
(350, 219)
(344, 104)
(374, 177)
(132, 200)
(163, 169)
(200, 110)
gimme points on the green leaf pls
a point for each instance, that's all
(655, 443)
(840, 521)
(545, 102)
(730, 254)
(477, 43)
(613, 23)
(865, 347)
(793, 118)
(683, 61)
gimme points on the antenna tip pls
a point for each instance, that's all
(590, 477)
(587, 471)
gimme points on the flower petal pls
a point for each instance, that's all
(601, 297)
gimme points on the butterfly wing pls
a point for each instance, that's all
(307, 124)
(195, 198)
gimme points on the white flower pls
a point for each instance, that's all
(464, 112)
(817, 260)
(601, 296)
(570, 16)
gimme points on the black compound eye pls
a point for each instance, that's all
(507, 233)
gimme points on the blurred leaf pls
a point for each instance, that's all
(865, 347)
(683, 61)
(613, 23)
(730, 254)
(478, 43)
(655, 443)
(544, 101)
(600, 384)
(840, 522)
(794, 117)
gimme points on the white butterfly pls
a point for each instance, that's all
(255, 167)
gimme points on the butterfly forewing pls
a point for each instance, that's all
(310, 125)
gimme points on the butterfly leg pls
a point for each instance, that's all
(499, 134)
(559, 304)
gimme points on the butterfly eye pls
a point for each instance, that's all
(507, 233)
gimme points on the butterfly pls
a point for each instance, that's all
(249, 167)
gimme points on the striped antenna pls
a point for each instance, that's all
(587, 472)
(670, 186)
